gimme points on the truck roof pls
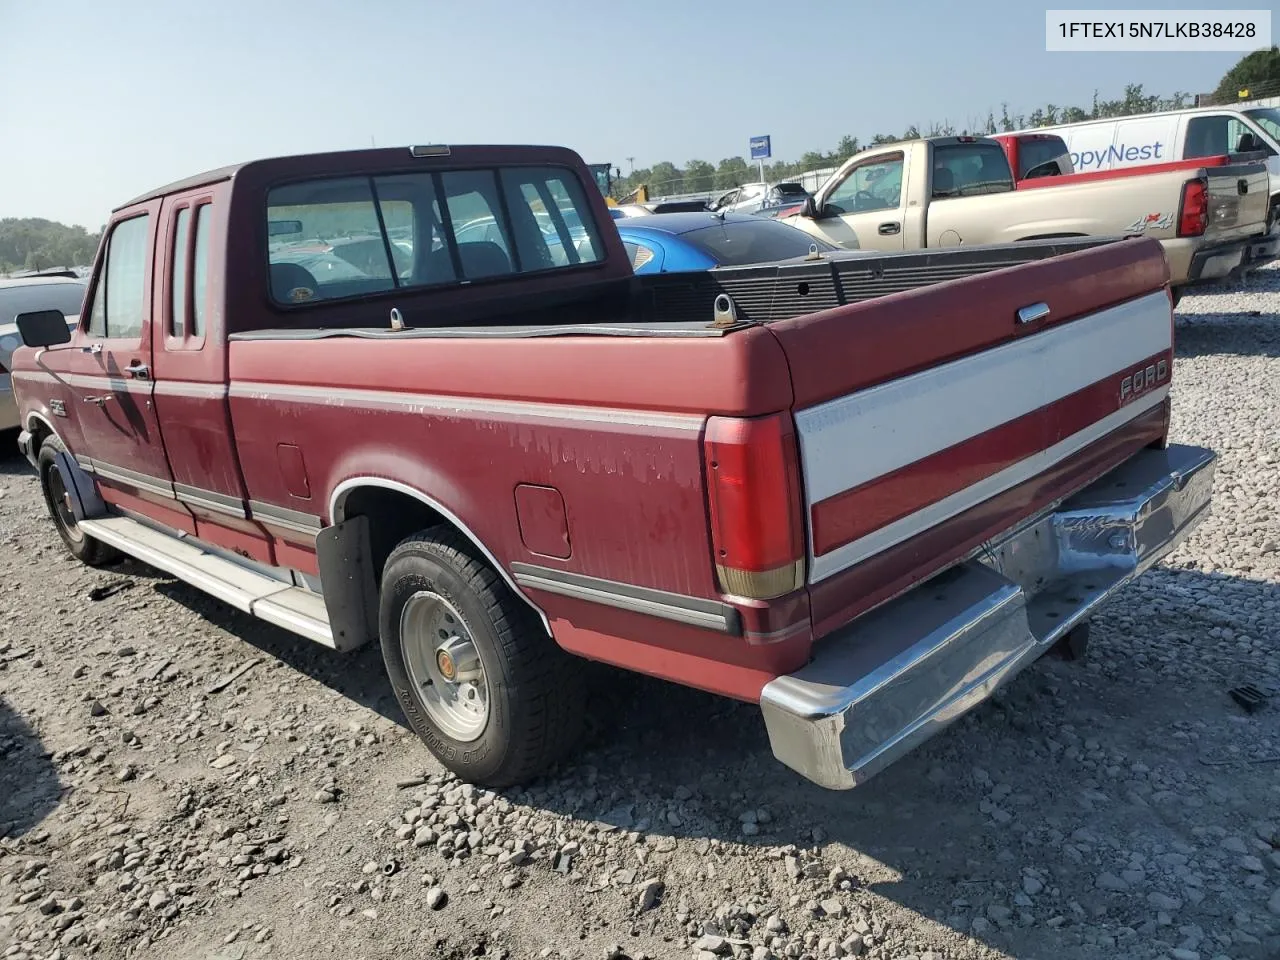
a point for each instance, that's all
(378, 159)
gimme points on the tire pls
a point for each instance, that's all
(1074, 645)
(83, 547)
(439, 595)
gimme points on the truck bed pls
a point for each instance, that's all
(766, 293)
(682, 304)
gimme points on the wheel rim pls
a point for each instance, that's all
(60, 501)
(444, 666)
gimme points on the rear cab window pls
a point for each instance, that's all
(345, 237)
(969, 169)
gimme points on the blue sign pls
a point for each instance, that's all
(760, 148)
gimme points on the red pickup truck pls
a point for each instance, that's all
(859, 491)
(1037, 158)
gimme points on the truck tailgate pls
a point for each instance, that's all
(930, 421)
(1238, 200)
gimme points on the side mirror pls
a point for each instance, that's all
(809, 208)
(43, 328)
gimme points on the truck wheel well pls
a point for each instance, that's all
(40, 431)
(392, 517)
(395, 513)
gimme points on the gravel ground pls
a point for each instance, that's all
(180, 781)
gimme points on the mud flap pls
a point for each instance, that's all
(345, 560)
(83, 492)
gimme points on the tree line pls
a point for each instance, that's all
(1254, 75)
(36, 244)
(700, 176)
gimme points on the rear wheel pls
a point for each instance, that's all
(53, 485)
(480, 681)
(1074, 644)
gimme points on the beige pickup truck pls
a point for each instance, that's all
(947, 191)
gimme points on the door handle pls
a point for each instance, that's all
(94, 348)
(889, 229)
(100, 401)
(138, 370)
(1033, 312)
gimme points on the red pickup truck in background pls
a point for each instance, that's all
(861, 492)
(1036, 158)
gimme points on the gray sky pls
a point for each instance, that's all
(101, 101)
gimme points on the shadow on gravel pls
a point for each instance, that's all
(957, 822)
(29, 787)
(12, 463)
(359, 676)
(946, 832)
(1231, 334)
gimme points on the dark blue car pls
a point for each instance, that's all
(676, 242)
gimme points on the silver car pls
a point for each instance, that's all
(22, 296)
(757, 197)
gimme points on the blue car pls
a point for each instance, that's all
(678, 242)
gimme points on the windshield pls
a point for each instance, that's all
(1268, 118)
(734, 243)
(24, 298)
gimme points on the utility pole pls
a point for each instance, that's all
(632, 162)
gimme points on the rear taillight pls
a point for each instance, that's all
(753, 488)
(1193, 217)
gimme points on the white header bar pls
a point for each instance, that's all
(1138, 31)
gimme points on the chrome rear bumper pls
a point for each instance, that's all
(893, 678)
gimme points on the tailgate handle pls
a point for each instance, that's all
(1242, 185)
(1033, 312)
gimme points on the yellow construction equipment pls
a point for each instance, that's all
(607, 178)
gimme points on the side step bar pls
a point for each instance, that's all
(297, 610)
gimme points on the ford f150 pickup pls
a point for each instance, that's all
(860, 492)
(946, 191)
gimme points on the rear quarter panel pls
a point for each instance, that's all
(1148, 205)
(614, 424)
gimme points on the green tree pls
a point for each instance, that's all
(699, 177)
(1258, 72)
(37, 244)
(665, 176)
(731, 172)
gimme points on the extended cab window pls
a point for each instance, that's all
(875, 185)
(968, 169)
(1043, 157)
(345, 237)
(200, 272)
(120, 296)
(550, 218)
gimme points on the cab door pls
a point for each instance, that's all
(867, 209)
(111, 375)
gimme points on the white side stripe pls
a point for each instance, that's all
(909, 526)
(851, 440)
